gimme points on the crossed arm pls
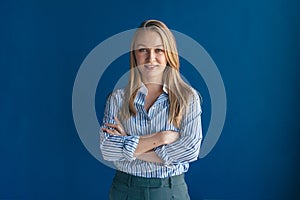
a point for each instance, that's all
(163, 147)
(144, 150)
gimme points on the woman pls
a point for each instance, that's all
(152, 128)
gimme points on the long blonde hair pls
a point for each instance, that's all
(178, 91)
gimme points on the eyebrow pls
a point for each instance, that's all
(160, 45)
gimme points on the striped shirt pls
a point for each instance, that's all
(176, 156)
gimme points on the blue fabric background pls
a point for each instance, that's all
(255, 45)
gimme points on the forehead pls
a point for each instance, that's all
(148, 38)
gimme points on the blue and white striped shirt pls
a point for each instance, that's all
(176, 156)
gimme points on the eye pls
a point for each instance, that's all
(142, 50)
(159, 50)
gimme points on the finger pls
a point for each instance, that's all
(115, 126)
(107, 130)
(112, 125)
(116, 132)
(119, 125)
(120, 128)
(112, 132)
(117, 120)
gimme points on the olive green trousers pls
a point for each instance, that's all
(129, 187)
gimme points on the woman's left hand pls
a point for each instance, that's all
(117, 129)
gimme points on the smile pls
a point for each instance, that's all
(150, 66)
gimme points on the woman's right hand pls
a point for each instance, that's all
(168, 137)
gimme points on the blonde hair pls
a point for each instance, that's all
(178, 91)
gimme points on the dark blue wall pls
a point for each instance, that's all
(255, 45)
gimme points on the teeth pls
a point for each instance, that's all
(150, 66)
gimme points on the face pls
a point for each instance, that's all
(150, 56)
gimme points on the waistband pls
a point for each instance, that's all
(136, 181)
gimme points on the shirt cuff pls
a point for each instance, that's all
(129, 145)
(161, 152)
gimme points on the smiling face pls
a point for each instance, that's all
(150, 56)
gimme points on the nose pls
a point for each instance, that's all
(152, 55)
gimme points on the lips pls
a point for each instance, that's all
(149, 67)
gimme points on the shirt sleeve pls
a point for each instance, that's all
(114, 148)
(187, 147)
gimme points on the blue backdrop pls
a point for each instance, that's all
(255, 45)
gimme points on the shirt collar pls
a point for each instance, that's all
(165, 89)
(143, 89)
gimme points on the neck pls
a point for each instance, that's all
(154, 87)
